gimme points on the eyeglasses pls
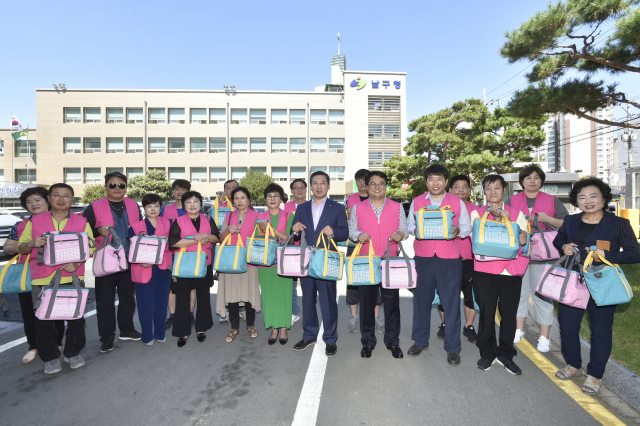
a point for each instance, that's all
(119, 185)
(273, 196)
(298, 188)
(58, 196)
(360, 180)
(379, 184)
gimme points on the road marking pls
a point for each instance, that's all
(309, 401)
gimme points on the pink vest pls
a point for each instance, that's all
(171, 212)
(445, 249)
(465, 243)
(140, 274)
(42, 223)
(353, 200)
(544, 203)
(20, 230)
(379, 231)
(248, 225)
(290, 207)
(517, 266)
(187, 229)
(104, 215)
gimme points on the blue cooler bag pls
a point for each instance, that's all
(434, 223)
(326, 264)
(15, 278)
(495, 240)
(231, 259)
(220, 214)
(606, 282)
(190, 264)
(262, 250)
(363, 270)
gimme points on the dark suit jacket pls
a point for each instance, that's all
(333, 215)
(616, 230)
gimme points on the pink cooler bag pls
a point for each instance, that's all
(108, 259)
(541, 245)
(62, 302)
(564, 285)
(147, 249)
(398, 272)
(64, 247)
(291, 260)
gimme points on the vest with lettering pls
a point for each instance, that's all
(282, 225)
(140, 274)
(544, 203)
(353, 200)
(171, 212)
(20, 230)
(516, 266)
(42, 223)
(444, 249)
(104, 215)
(248, 226)
(187, 229)
(465, 243)
(379, 231)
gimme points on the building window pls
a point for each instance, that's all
(258, 145)
(157, 146)
(278, 116)
(238, 173)
(217, 145)
(72, 175)
(72, 146)
(336, 146)
(114, 115)
(72, 115)
(239, 145)
(336, 117)
(198, 174)
(115, 169)
(26, 176)
(314, 169)
(24, 150)
(279, 174)
(318, 116)
(198, 116)
(217, 116)
(258, 116)
(336, 173)
(198, 144)
(318, 145)
(156, 116)
(297, 116)
(92, 175)
(115, 146)
(92, 145)
(1, 148)
(217, 174)
(134, 171)
(298, 173)
(135, 145)
(176, 115)
(337, 198)
(298, 145)
(238, 116)
(176, 145)
(92, 115)
(279, 145)
(136, 115)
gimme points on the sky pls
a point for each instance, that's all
(448, 49)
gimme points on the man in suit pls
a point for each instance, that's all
(320, 216)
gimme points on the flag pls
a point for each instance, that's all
(15, 124)
(21, 135)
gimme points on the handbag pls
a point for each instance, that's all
(107, 259)
(398, 272)
(15, 277)
(363, 270)
(190, 264)
(326, 264)
(147, 249)
(61, 302)
(493, 240)
(542, 247)
(436, 299)
(262, 250)
(606, 282)
(64, 247)
(563, 284)
(434, 223)
(220, 214)
(293, 261)
(231, 259)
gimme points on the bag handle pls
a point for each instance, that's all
(567, 259)
(445, 222)
(303, 247)
(217, 203)
(183, 250)
(139, 240)
(538, 227)
(388, 264)
(266, 241)
(505, 221)
(356, 253)
(227, 241)
(589, 260)
(25, 269)
(326, 253)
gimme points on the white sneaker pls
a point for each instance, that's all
(149, 343)
(519, 335)
(224, 319)
(544, 344)
(161, 341)
(30, 356)
(295, 318)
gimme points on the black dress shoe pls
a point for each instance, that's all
(182, 341)
(366, 351)
(331, 350)
(396, 351)
(453, 358)
(284, 341)
(272, 341)
(201, 337)
(303, 344)
(415, 349)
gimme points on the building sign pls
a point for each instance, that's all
(359, 83)
(12, 190)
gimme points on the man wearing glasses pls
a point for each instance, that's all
(299, 190)
(117, 212)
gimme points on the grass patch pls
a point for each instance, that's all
(626, 324)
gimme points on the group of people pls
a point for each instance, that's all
(368, 217)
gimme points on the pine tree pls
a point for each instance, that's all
(256, 182)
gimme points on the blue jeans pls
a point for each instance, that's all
(296, 305)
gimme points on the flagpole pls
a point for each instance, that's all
(28, 155)
(12, 142)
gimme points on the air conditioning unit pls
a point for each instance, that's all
(73, 120)
(153, 121)
(299, 151)
(198, 149)
(262, 121)
(280, 179)
(198, 179)
(131, 151)
(235, 121)
(72, 151)
(258, 150)
(131, 121)
(213, 121)
(322, 122)
(92, 120)
(278, 150)
(340, 122)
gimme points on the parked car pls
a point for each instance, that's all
(18, 212)
(78, 209)
(6, 223)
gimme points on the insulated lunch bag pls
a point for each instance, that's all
(220, 214)
(493, 240)
(64, 247)
(363, 270)
(231, 259)
(606, 282)
(61, 301)
(542, 247)
(147, 249)
(292, 260)
(262, 250)
(434, 223)
(15, 277)
(107, 259)
(326, 264)
(398, 272)
(190, 264)
(563, 284)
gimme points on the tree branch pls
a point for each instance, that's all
(622, 98)
(598, 120)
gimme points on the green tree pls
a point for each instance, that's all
(562, 44)
(92, 193)
(256, 182)
(153, 182)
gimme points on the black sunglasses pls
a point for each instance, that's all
(119, 185)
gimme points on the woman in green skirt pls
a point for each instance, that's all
(276, 290)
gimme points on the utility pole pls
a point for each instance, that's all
(628, 136)
(144, 142)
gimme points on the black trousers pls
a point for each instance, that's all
(353, 295)
(369, 295)
(234, 314)
(182, 318)
(467, 284)
(106, 288)
(48, 337)
(489, 288)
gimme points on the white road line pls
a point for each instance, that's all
(309, 401)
